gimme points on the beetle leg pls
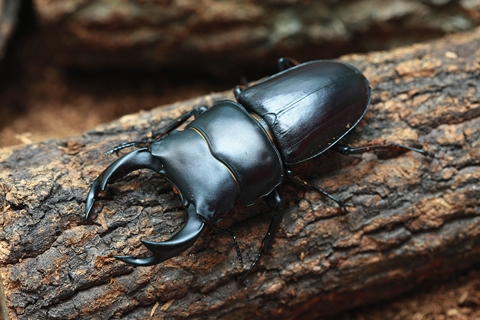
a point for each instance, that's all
(304, 183)
(347, 150)
(236, 91)
(138, 159)
(283, 64)
(175, 245)
(286, 63)
(273, 200)
(162, 132)
(235, 243)
(179, 121)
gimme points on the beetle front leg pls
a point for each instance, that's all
(273, 201)
(162, 132)
(178, 122)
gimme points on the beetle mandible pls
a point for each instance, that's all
(241, 151)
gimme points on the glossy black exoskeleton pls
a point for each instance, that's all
(240, 152)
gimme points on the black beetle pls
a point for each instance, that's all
(240, 152)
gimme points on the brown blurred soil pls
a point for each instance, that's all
(41, 101)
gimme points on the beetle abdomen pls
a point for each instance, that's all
(309, 107)
(238, 141)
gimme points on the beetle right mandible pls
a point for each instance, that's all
(240, 152)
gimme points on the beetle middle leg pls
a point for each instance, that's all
(235, 243)
(273, 201)
(162, 132)
(283, 63)
(304, 183)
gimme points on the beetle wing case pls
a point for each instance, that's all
(309, 107)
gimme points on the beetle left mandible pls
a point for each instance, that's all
(240, 152)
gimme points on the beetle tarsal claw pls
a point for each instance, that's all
(175, 245)
(138, 159)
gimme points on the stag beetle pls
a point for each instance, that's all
(241, 152)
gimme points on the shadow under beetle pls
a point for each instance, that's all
(240, 152)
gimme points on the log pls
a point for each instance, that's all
(225, 38)
(409, 218)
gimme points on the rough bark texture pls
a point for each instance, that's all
(410, 218)
(212, 35)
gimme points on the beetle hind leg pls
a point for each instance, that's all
(273, 201)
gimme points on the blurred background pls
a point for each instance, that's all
(69, 65)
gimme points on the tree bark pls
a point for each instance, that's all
(409, 218)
